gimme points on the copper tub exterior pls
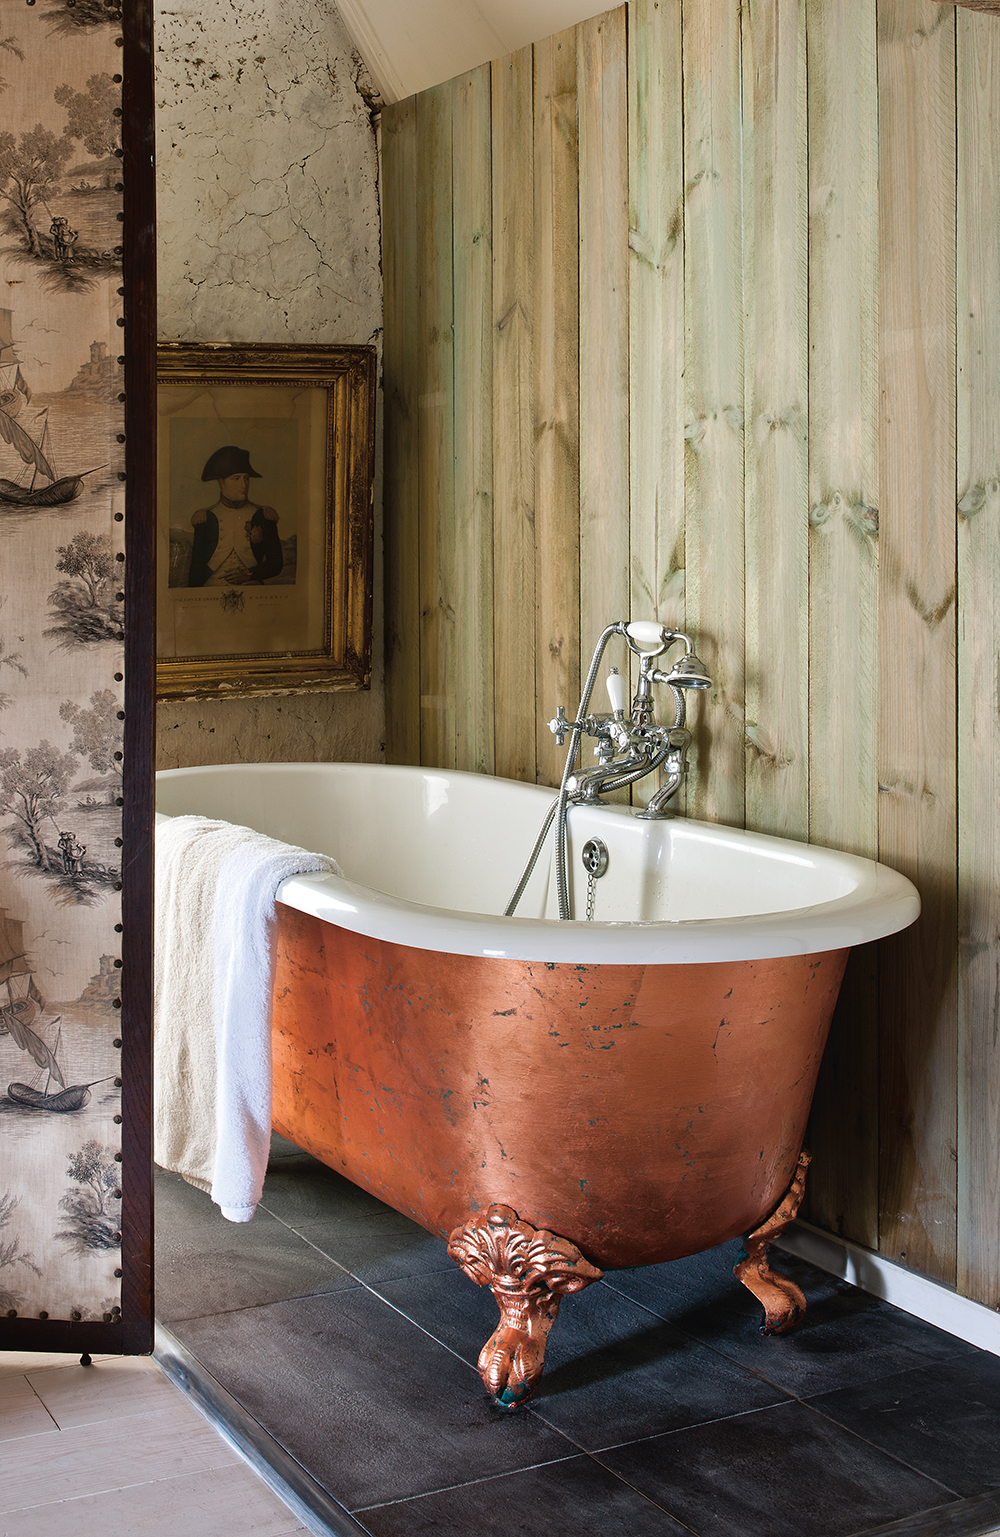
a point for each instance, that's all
(644, 1112)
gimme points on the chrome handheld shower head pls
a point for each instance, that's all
(689, 672)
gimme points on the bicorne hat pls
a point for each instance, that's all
(229, 461)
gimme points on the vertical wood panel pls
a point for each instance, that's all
(656, 318)
(436, 427)
(473, 528)
(979, 650)
(917, 812)
(513, 415)
(557, 392)
(602, 94)
(843, 573)
(713, 376)
(400, 277)
(776, 305)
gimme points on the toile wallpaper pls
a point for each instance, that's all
(61, 658)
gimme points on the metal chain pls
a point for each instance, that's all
(591, 889)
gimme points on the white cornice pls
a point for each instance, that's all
(409, 45)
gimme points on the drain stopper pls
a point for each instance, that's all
(595, 857)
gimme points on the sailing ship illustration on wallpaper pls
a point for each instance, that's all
(26, 434)
(21, 1010)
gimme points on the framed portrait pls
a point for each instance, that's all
(265, 462)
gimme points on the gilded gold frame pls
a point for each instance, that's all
(343, 661)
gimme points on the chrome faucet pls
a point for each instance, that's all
(628, 747)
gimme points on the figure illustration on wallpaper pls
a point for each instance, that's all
(36, 787)
(93, 1207)
(62, 219)
(87, 605)
(235, 540)
(11, 1253)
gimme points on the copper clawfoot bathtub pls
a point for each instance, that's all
(556, 1099)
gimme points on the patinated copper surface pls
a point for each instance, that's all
(528, 1273)
(643, 1112)
(784, 1302)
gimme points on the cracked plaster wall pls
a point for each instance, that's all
(268, 231)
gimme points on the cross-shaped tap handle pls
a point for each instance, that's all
(559, 725)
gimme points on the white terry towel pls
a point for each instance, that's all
(214, 951)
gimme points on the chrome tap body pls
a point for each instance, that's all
(628, 747)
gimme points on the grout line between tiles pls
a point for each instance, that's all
(656, 1505)
(492, 1478)
(468, 1483)
(679, 1430)
(901, 1460)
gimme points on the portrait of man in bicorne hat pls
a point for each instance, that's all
(236, 540)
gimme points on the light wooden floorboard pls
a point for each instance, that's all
(115, 1449)
(95, 1458)
(108, 1390)
(215, 1504)
(21, 1411)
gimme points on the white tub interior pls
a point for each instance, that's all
(451, 847)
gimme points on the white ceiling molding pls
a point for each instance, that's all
(409, 45)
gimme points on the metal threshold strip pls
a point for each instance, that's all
(308, 1500)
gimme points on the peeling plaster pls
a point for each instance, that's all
(268, 231)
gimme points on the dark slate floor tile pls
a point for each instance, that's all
(300, 1189)
(368, 1403)
(382, 1246)
(782, 1472)
(452, 1308)
(206, 1265)
(944, 1420)
(846, 1337)
(613, 1371)
(577, 1496)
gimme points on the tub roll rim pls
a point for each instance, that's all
(892, 904)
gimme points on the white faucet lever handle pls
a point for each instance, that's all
(616, 690)
(646, 632)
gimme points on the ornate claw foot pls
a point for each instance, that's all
(529, 1272)
(783, 1301)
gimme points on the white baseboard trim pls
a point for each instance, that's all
(915, 1294)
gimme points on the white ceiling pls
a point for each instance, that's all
(409, 45)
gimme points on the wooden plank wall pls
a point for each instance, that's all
(694, 311)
